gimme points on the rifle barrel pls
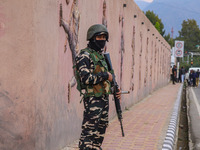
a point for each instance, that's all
(125, 92)
(121, 127)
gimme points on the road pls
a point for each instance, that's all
(194, 117)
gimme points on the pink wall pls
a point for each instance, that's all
(39, 106)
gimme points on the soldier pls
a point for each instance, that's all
(95, 81)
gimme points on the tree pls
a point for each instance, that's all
(190, 34)
(156, 21)
(169, 40)
(157, 26)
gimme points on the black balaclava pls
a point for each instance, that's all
(97, 45)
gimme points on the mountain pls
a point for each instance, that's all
(173, 12)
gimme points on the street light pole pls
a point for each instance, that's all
(191, 59)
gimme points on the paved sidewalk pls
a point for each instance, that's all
(145, 124)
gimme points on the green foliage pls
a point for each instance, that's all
(157, 26)
(156, 21)
(187, 64)
(190, 34)
(169, 40)
(196, 61)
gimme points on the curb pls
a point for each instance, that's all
(169, 141)
(190, 144)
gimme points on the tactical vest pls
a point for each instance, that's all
(100, 65)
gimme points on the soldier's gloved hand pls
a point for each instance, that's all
(110, 77)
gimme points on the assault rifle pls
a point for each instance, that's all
(115, 90)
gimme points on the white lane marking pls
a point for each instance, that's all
(196, 102)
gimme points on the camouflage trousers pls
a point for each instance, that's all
(95, 122)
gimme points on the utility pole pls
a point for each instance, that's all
(172, 33)
(193, 54)
(191, 59)
(177, 75)
(188, 56)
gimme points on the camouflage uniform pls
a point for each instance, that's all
(94, 75)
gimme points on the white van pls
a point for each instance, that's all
(194, 68)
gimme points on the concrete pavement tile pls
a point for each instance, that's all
(144, 123)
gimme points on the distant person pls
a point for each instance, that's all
(174, 72)
(197, 77)
(182, 74)
(190, 77)
(187, 78)
(171, 74)
(193, 78)
(179, 75)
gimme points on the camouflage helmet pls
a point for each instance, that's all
(97, 29)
